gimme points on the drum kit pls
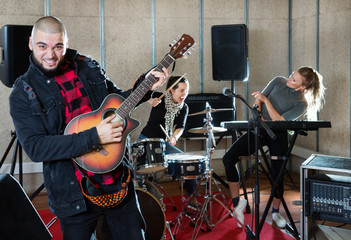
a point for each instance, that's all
(148, 157)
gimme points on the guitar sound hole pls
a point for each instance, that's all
(107, 113)
(111, 111)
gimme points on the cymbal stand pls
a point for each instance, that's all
(183, 213)
(168, 226)
(206, 213)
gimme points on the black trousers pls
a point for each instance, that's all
(245, 146)
(125, 220)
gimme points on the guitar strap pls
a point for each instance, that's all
(111, 199)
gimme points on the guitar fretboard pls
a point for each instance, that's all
(133, 99)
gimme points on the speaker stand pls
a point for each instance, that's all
(18, 151)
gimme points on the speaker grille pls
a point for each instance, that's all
(229, 52)
(15, 52)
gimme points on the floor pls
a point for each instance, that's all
(291, 196)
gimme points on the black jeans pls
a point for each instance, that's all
(245, 146)
(125, 220)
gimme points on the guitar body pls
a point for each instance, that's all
(109, 156)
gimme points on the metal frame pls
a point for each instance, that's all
(306, 169)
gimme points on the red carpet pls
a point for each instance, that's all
(54, 229)
(226, 229)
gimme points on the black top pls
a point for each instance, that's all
(157, 117)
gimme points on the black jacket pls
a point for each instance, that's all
(37, 110)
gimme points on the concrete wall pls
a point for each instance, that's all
(129, 49)
(334, 65)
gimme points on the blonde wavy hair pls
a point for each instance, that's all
(314, 91)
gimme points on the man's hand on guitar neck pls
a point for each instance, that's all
(162, 76)
(109, 132)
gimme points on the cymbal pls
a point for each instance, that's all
(204, 130)
(211, 110)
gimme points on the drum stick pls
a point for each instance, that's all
(164, 131)
(172, 86)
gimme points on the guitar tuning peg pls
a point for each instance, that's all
(170, 45)
(189, 53)
(185, 57)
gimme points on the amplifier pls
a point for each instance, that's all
(328, 197)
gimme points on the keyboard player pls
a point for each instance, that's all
(283, 99)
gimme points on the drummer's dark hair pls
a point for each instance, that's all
(173, 79)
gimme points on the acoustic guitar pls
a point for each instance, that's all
(109, 156)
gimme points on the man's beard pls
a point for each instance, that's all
(47, 72)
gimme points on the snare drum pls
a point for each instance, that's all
(150, 155)
(186, 165)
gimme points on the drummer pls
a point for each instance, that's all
(171, 113)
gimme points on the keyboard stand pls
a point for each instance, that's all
(291, 227)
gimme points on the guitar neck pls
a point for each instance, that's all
(133, 99)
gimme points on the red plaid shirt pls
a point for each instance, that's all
(76, 103)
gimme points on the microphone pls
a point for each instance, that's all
(255, 106)
(227, 92)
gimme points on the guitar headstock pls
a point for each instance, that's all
(182, 46)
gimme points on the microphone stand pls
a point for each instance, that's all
(257, 122)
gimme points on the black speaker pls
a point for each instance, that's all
(229, 52)
(14, 51)
(18, 217)
(197, 103)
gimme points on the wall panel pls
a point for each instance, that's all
(15, 12)
(129, 37)
(335, 66)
